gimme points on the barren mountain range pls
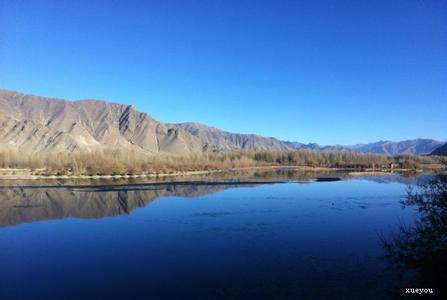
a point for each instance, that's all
(31, 124)
(228, 141)
(35, 124)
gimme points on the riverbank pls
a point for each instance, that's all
(115, 165)
(27, 174)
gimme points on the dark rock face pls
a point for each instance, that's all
(440, 150)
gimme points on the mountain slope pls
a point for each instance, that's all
(38, 124)
(417, 146)
(315, 147)
(440, 150)
(35, 124)
(228, 141)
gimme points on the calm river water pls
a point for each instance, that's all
(202, 240)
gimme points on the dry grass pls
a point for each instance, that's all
(120, 162)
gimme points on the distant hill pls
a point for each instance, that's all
(417, 146)
(440, 150)
(316, 147)
(228, 141)
(37, 124)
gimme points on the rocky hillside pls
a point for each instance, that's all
(440, 150)
(417, 146)
(228, 141)
(35, 124)
(316, 147)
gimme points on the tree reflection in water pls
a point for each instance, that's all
(421, 249)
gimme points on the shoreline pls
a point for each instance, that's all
(350, 171)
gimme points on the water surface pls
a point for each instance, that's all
(281, 240)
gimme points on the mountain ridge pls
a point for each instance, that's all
(30, 124)
(221, 140)
(218, 137)
(37, 124)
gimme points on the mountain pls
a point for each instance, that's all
(228, 141)
(417, 146)
(316, 147)
(33, 124)
(36, 124)
(218, 139)
(440, 150)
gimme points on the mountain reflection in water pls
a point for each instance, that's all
(30, 204)
(48, 200)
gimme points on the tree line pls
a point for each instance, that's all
(119, 162)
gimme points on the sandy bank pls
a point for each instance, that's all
(8, 174)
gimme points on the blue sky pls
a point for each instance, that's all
(331, 72)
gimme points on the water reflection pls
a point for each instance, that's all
(272, 241)
(29, 204)
(419, 252)
(25, 201)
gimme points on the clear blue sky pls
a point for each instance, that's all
(312, 71)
